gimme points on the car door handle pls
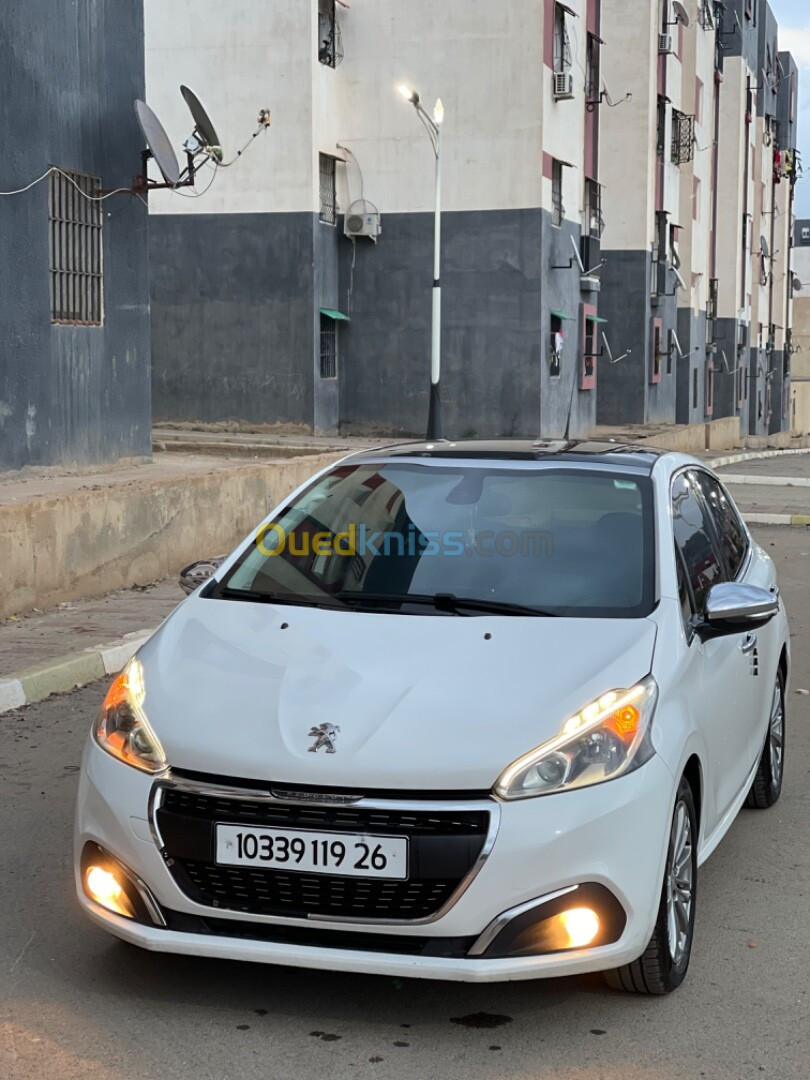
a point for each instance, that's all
(748, 643)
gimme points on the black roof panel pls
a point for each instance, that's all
(602, 452)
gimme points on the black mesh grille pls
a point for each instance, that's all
(350, 818)
(443, 847)
(271, 892)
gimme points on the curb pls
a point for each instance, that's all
(752, 455)
(65, 673)
(798, 520)
(754, 480)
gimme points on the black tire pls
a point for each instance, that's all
(767, 785)
(661, 968)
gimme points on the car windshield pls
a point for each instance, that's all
(415, 537)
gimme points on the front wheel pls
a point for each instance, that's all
(661, 968)
(767, 785)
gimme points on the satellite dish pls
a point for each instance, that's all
(763, 247)
(797, 283)
(158, 142)
(202, 122)
(681, 14)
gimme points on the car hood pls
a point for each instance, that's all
(425, 702)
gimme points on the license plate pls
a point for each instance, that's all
(306, 852)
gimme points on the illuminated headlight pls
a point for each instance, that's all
(608, 738)
(122, 728)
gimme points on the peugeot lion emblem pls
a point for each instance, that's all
(324, 735)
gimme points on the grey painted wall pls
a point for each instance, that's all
(690, 407)
(493, 341)
(68, 77)
(233, 317)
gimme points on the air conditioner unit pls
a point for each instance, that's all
(665, 43)
(742, 335)
(362, 219)
(563, 85)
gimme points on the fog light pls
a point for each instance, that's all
(581, 925)
(103, 887)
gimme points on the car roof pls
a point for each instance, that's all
(602, 452)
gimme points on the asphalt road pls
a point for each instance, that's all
(75, 1003)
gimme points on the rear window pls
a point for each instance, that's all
(575, 542)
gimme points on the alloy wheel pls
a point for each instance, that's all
(680, 879)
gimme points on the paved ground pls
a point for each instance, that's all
(76, 1004)
(29, 639)
(777, 497)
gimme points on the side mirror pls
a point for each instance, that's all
(197, 572)
(732, 608)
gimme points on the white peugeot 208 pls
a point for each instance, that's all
(467, 710)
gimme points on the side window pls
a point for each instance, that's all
(693, 538)
(729, 527)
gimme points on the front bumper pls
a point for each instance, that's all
(613, 835)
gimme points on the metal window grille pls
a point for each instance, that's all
(562, 43)
(557, 208)
(593, 208)
(327, 33)
(683, 138)
(75, 249)
(329, 347)
(661, 127)
(592, 72)
(705, 15)
(328, 194)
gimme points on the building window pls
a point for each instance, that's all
(328, 192)
(661, 131)
(694, 388)
(740, 382)
(590, 349)
(698, 101)
(594, 222)
(657, 351)
(75, 251)
(683, 137)
(557, 208)
(556, 349)
(592, 72)
(329, 347)
(328, 34)
(696, 198)
(749, 9)
(709, 388)
(562, 44)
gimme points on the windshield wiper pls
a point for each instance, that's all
(447, 602)
(450, 602)
(256, 597)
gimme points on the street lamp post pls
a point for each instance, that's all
(433, 126)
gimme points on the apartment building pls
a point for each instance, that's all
(606, 180)
(799, 348)
(265, 311)
(698, 170)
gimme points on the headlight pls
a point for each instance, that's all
(608, 738)
(122, 728)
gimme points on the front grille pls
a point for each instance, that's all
(273, 892)
(346, 818)
(444, 846)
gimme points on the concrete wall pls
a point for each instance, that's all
(68, 77)
(90, 540)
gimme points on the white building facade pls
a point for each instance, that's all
(265, 312)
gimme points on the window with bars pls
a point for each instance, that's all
(75, 251)
(661, 126)
(327, 33)
(683, 137)
(557, 208)
(328, 192)
(562, 43)
(329, 347)
(594, 221)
